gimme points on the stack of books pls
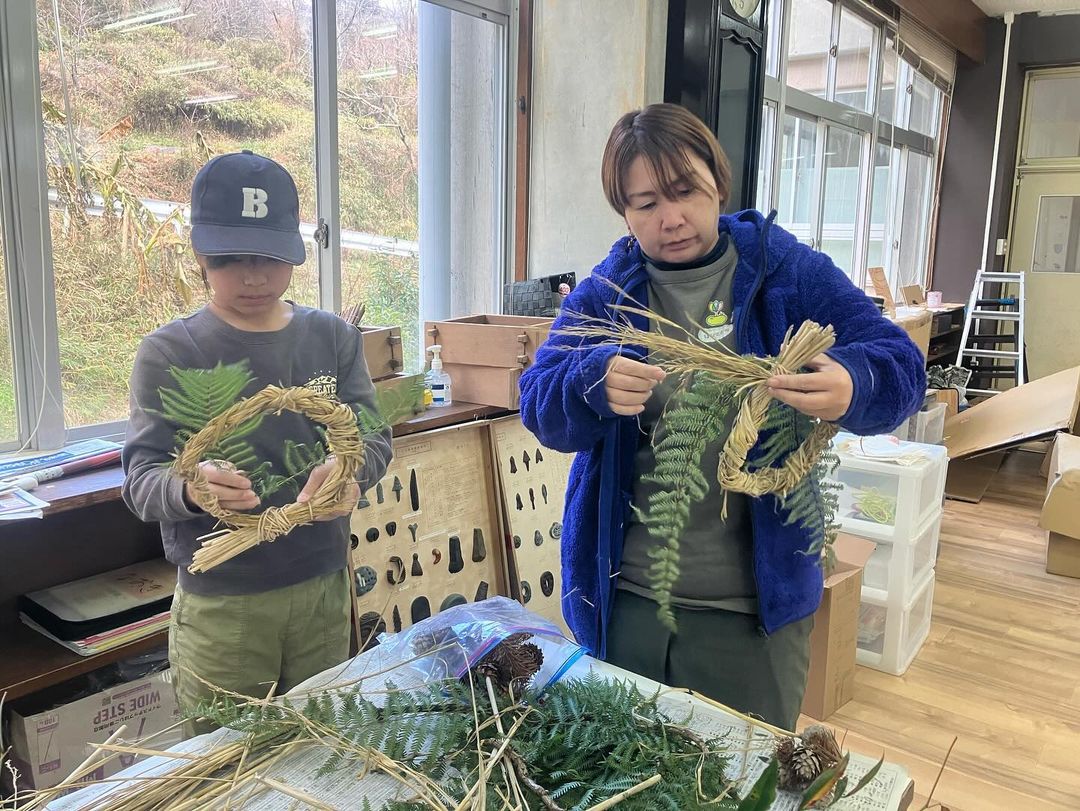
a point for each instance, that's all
(102, 612)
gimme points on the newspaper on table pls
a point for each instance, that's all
(750, 749)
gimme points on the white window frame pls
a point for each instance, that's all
(24, 212)
(870, 125)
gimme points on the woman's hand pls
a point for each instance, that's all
(233, 490)
(824, 393)
(318, 475)
(629, 383)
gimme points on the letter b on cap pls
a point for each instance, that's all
(254, 203)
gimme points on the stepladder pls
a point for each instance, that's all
(992, 345)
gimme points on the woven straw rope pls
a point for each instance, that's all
(731, 471)
(747, 374)
(248, 530)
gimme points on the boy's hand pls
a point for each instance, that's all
(316, 478)
(629, 383)
(233, 490)
(824, 393)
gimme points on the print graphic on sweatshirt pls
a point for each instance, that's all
(717, 324)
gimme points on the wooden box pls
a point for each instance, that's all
(484, 385)
(498, 341)
(400, 397)
(427, 536)
(382, 351)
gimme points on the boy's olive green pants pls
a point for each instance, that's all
(719, 653)
(247, 643)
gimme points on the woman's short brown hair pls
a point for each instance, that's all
(665, 135)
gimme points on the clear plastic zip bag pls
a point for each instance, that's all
(453, 642)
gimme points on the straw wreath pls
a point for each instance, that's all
(685, 354)
(248, 530)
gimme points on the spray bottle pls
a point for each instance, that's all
(436, 380)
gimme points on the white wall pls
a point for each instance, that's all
(472, 171)
(593, 60)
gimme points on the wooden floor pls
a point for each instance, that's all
(1000, 671)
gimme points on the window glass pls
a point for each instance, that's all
(879, 249)
(925, 105)
(762, 198)
(1053, 118)
(9, 429)
(797, 199)
(888, 99)
(155, 91)
(915, 220)
(854, 54)
(809, 42)
(840, 204)
(1057, 235)
(775, 23)
(380, 132)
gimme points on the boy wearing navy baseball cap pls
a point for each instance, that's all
(279, 612)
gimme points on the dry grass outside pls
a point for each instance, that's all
(132, 126)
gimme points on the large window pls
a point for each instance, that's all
(850, 171)
(406, 215)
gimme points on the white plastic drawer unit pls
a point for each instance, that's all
(891, 631)
(883, 500)
(898, 567)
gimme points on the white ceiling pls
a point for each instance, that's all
(996, 8)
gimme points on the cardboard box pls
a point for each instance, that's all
(916, 322)
(47, 745)
(969, 479)
(830, 682)
(1034, 410)
(382, 351)
(913, 295)
(1061, 510)
(951, 398)
(498, 341)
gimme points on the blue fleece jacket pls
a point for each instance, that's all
(779, 282)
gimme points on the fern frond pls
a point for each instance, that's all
(695, 416)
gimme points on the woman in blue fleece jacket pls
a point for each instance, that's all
(747, 592)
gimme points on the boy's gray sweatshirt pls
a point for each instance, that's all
(316, 349)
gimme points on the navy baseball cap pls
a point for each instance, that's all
(243, 203)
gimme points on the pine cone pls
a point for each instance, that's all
(799, 764)
(806, 764)
(525, 660)
(785, 748)
(511, 664)
(822, 740)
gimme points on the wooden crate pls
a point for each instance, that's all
(532, 491)
(485, 385)
(497, 341)
(382, 351)
(442, 484)
(400, 397)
